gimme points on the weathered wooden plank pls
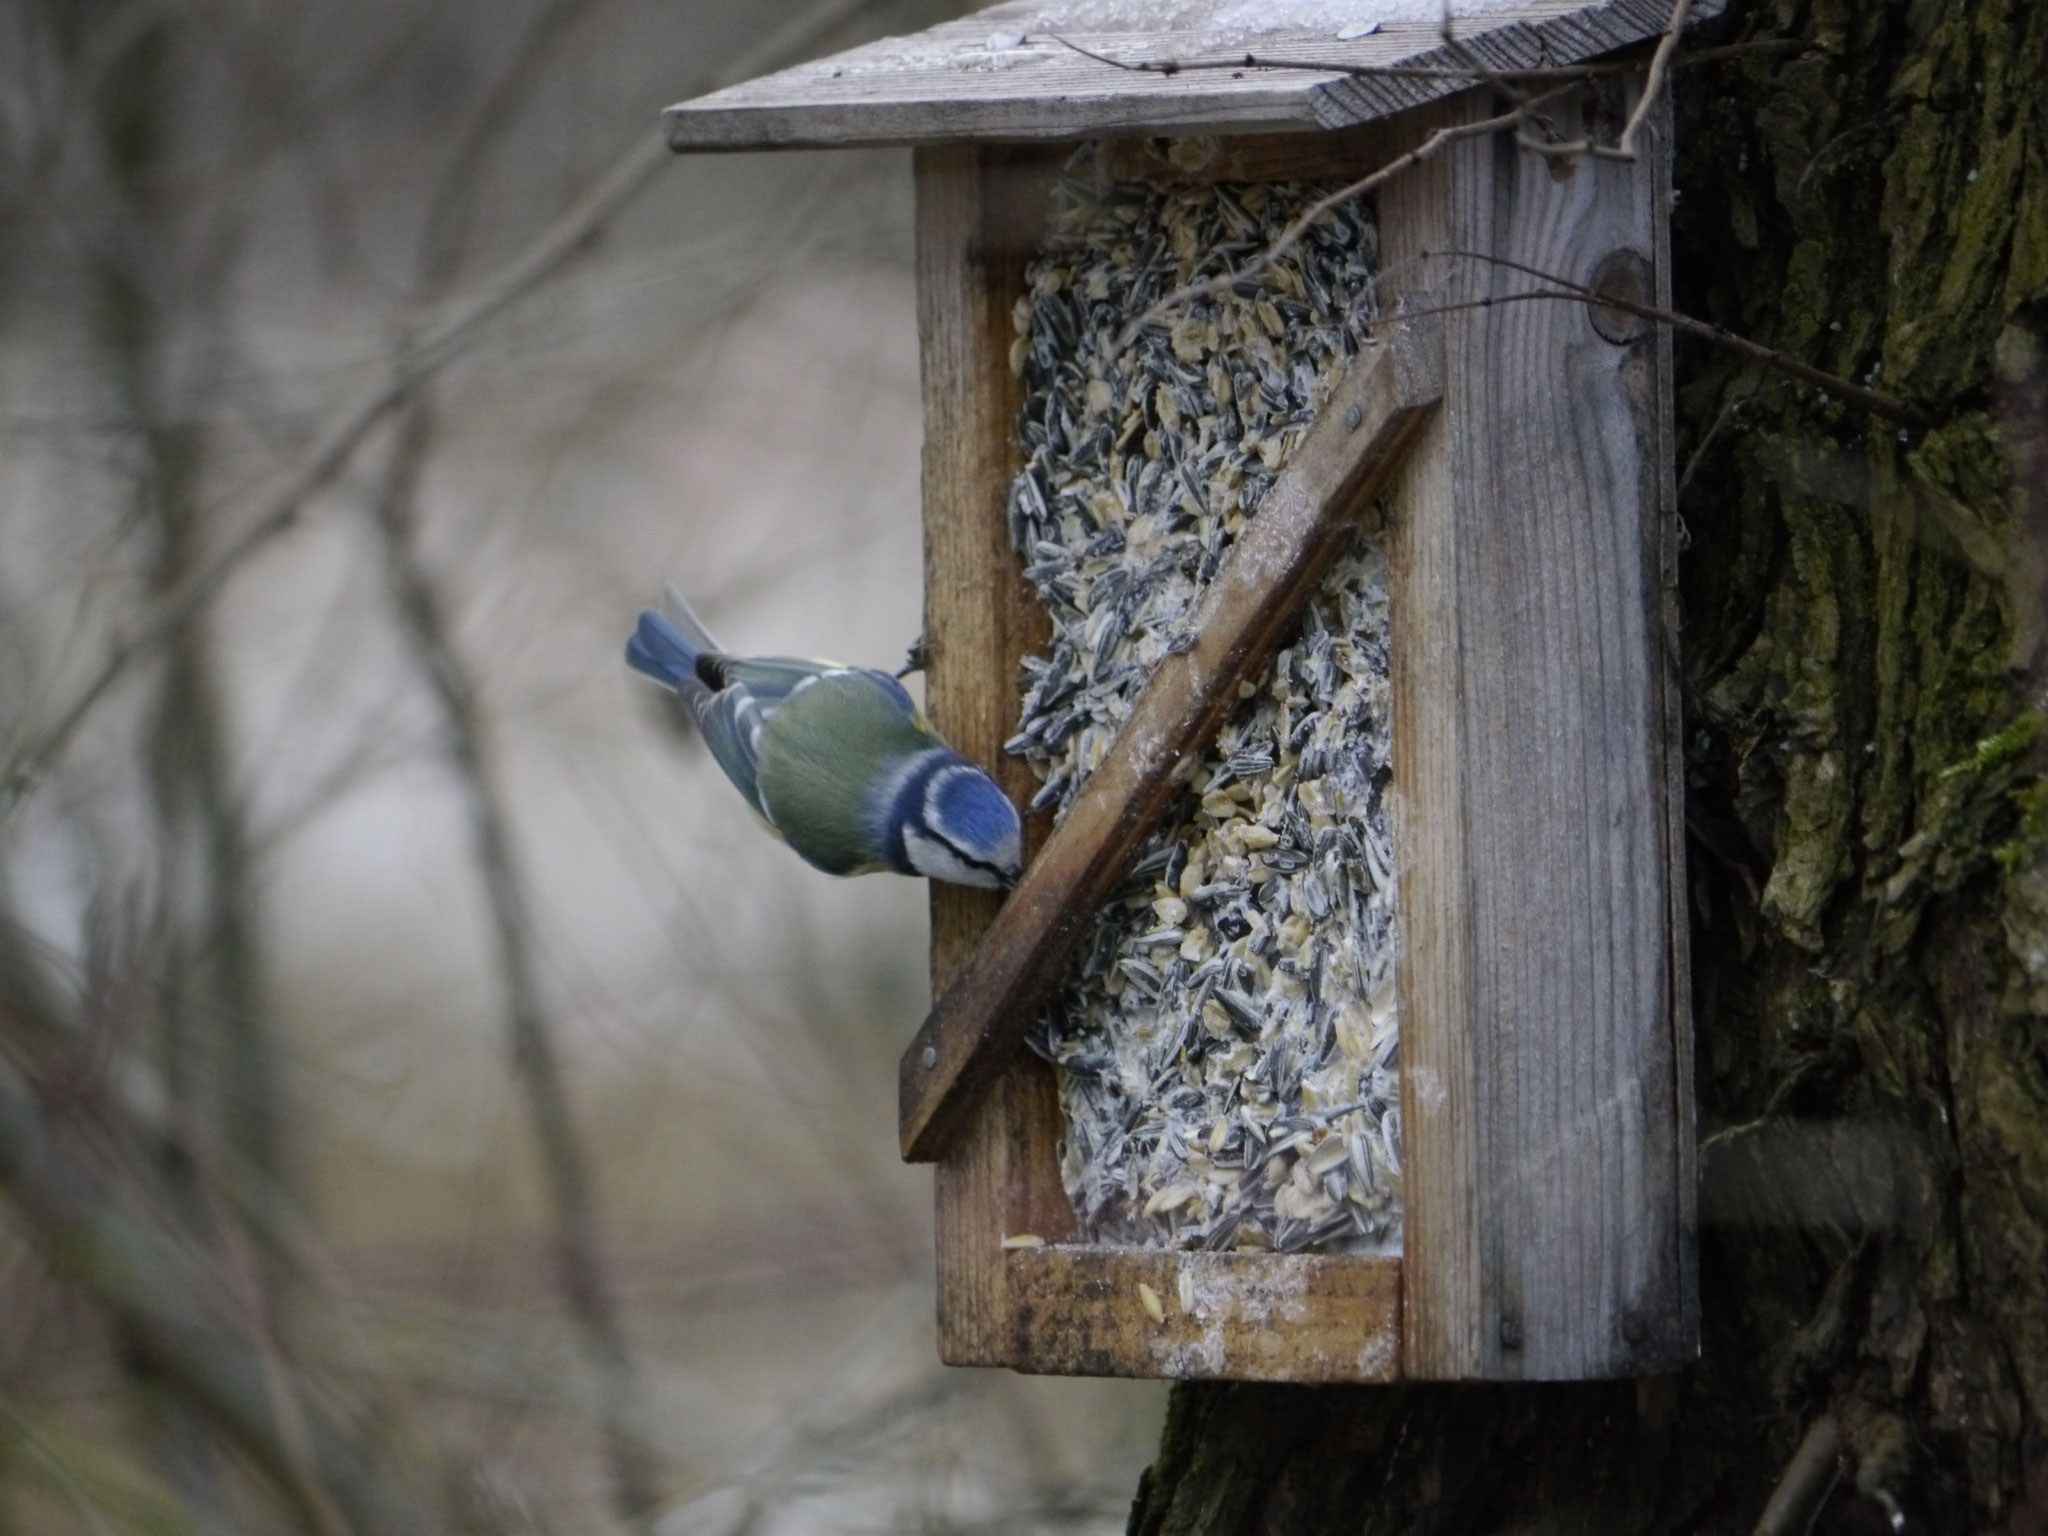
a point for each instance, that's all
(1350, 452)
(1008, 74)
(1298, 1317)
(1547, 1226)
(1343, 154)
(1440, 1202)
(979, 213)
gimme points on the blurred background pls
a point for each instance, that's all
(427, 1102)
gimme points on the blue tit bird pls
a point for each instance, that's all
(836, 760)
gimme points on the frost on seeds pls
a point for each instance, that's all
(1225, 1039)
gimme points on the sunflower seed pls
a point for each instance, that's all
(1226, 1040)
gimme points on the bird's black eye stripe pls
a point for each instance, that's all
(969, 859)
(711, 670)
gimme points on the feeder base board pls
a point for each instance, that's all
(1302, 1317)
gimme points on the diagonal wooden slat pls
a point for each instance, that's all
(1346, 457)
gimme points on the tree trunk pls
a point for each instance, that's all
(1864, 661)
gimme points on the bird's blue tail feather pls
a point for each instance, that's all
(659, 650)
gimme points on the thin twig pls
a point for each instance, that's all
(1847, 135)
(1808, 1479)
(1476, 72)
(1457, 48)
(1880, 405)
(170, 1309)
(451, 205)
(250, 1293)
(582, 1273)
(1722, 417)
(1292, 235)
(439, 342)
(1624, 147)
(579, 1257)
(1660, 64)
(1473, 72)
(317, 468)
(1888, 406)
(582, 1270)
(59, 1468)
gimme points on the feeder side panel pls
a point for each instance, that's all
(979, 619)
(1548, 1233)
(1441, 1206)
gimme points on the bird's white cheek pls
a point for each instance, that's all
(929, 856)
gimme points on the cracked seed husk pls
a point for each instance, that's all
(1226, 1038)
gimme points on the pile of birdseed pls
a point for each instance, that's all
(1226, 1040)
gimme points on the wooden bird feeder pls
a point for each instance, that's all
(1521, 451)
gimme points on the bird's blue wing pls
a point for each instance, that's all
(730, 722)
(756, 687)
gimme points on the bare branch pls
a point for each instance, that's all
(1456, 46)
(579, 1259)
(1808, 1479)
(582, 1271)
(1475, 73)
(172, 1310)
(1888, 406)
(438, 343)
(1475, 69)
(1660, 65)
(249, 1288)
(1729, 409)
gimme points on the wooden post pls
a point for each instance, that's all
(1545, 1040)
(977, 225)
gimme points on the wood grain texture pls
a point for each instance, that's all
(978, 219)
(1064, 1309)
(1201, 159)
(1004, 74)
(1545, 1043)
(1300, 1317)
(1548, 1215)
(1350, 452)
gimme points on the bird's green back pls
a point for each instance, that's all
(826, 750)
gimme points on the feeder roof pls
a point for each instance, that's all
(1018, 71)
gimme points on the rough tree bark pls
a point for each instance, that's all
(1865, 664)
